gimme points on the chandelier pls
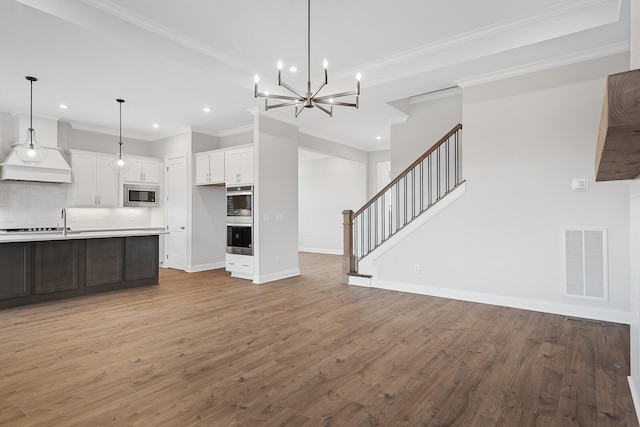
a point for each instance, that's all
(308, 99)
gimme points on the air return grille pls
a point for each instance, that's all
(585, 263)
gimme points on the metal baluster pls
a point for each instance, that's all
(457, 159)
(429, 180)
(390, 213)
(397, 185)
(375, 223)
(356, 251)
(413, 193)
(369, 229)
(404, 204)
(438, 172)
(446, 167)
(362, 234)
(384, 208)
(421, 186)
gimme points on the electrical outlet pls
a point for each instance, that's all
(277, 259)
(416, 268)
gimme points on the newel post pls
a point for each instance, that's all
(348, 258)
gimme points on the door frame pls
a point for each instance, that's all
(187, 189)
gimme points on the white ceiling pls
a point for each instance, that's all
(169, 59)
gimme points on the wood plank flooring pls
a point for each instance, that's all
(204, 349)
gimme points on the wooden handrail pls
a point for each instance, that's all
(406, 171)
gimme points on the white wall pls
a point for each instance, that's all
(275, 159)
(372, 170)
(203, 142)
(208, 213)
(428, 121)
(327, 186)
(70, 138)
(242, 138)
(524, 140)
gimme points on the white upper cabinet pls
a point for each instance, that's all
(239, 166)
(210, 168)
(94, 182)
(146, 170)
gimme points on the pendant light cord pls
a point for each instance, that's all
(120, 101)
(31, 109)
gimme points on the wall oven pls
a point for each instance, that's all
(138, 195)
(240, 205)
(240, 239)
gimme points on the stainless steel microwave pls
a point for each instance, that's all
(141, 195)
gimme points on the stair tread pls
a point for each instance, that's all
(368, 276)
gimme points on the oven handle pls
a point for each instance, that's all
(239, 193)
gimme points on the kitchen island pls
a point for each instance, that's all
(50, 266)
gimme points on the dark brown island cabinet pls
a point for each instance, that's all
(32, 272)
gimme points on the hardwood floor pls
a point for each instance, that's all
(205, 349)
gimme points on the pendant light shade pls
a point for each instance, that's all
(30, 151)
(119, 162)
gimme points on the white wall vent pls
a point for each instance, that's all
(585, 263)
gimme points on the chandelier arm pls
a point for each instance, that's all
(283, 104)
(319, 89)
(299, 110)
(292, 90)
(336, 95)
(339, 104)
(321, 108)
(282, 97)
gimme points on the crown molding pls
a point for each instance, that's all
(558, 61)
(469, 36)
(37, 115)
(113, 9)
(235, 131)
(436, 94)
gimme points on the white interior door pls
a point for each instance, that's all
(177, 212)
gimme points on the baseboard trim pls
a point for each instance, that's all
(265, 278)
(505, 301)
(634, 396)
(321, 251)
(204, 267)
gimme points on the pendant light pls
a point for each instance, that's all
(31, 151)
(119, 162)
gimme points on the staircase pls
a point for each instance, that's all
(420, 190)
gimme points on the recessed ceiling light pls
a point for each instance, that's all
(378, 138)
(206, 109)
(293, 69)
(64, 106)
(155, 126)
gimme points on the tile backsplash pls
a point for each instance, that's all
(26, 204)
(106, 218)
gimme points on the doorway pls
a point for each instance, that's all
(177, 208)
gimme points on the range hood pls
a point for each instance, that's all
(54, 168)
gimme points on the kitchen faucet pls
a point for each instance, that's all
(64, 221)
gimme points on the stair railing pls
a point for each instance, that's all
(427, 180)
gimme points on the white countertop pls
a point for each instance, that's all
(80, 234)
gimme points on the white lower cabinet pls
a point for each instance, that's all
(240, 266)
